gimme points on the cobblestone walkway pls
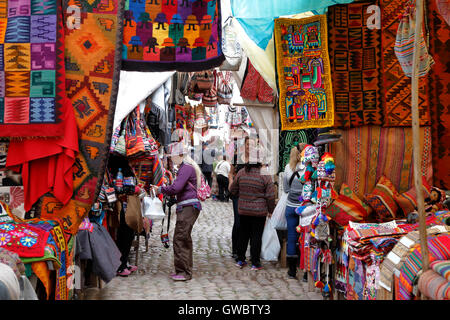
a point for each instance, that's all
(214, 278)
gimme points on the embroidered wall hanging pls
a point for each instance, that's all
(182, 35)
(303, 67)
(355, 57)
(31, 69)
(396, 99)
(92, 55)
(290, 139)
(23, 239)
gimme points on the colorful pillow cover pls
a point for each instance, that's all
(382, 200)
(407, 201)
(348, 207)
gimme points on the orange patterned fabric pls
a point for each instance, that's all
(382, 200)
(41, 270)
(407, 201)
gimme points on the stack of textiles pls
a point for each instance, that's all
(435, 283)
(362, 250)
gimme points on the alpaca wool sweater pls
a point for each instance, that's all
(256, 193)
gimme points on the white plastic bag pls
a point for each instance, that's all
(270, 247)
(278, 219)
(152, 207)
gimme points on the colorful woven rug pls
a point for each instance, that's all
(290, 139)
(32, 69)
(172, 35)
(303, 68)
(365, 153)
(439, 95)
(93, 53)
(355, 58)
(397, 86)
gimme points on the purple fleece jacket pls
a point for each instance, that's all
(180, 187)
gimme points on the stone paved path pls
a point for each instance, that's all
(215, 277)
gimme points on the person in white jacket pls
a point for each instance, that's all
(222, 170)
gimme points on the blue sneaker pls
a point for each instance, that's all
(241, 264)
(256, 267)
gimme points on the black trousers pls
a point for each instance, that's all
(251, 228)
(235, 231)
(222, 181)
(208, 177)
(125, 236)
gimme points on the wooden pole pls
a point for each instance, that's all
(416, 137)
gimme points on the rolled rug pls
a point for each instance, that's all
(434, 286)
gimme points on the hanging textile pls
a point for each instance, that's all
(170, 35)
(256, 16)
(254, 87)
(396, 100)
(32, 95)
(439, 95)
(304, 78)
(290, 139)
(355, 57)
(365, 153)
(49, 161)
(92, 59)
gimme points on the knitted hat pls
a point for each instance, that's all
(326, 135)
(310, 155)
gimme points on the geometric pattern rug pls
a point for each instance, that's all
(439, 94)
(93, 57)
(396, 85)
(355, 58)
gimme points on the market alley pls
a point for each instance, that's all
(215, 274)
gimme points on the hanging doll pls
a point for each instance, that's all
(325, 193)
(310, 160)
(435, 201)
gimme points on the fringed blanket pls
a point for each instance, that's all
(92, 55)
(439, 95)
(161, 35)
(365, 153)
(397, 86)
(355, 57)
(32, 69)
(303, 67)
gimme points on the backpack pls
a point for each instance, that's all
(204, 192)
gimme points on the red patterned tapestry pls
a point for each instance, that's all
(183, 35)
(366, 153)
(23, 239)
(32, 69)
(92, 55)
(397, 86)
(439, 94)
(355, 58)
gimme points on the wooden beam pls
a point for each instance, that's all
(416, 137)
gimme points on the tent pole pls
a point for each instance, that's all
(416, 137)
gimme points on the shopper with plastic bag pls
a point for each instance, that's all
(293, 187)
(256, 194)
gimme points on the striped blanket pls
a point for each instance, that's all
(439, 249)
(365, 153)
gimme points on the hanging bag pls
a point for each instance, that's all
(231, 48)
(210, 97)
(134, 139)
(205, 81)
(133, 213)
(404, 44)
(119, 146)
(224, 88)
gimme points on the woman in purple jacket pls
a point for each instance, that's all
(188, 209)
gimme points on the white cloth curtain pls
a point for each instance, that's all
(134, 87)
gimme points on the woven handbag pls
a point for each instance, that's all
(120, 145)
(134, 139)
(210, 98)
(204, 191)
(204, 81)
(404, 45)
(224, 88)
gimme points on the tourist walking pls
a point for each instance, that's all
(222, 170)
